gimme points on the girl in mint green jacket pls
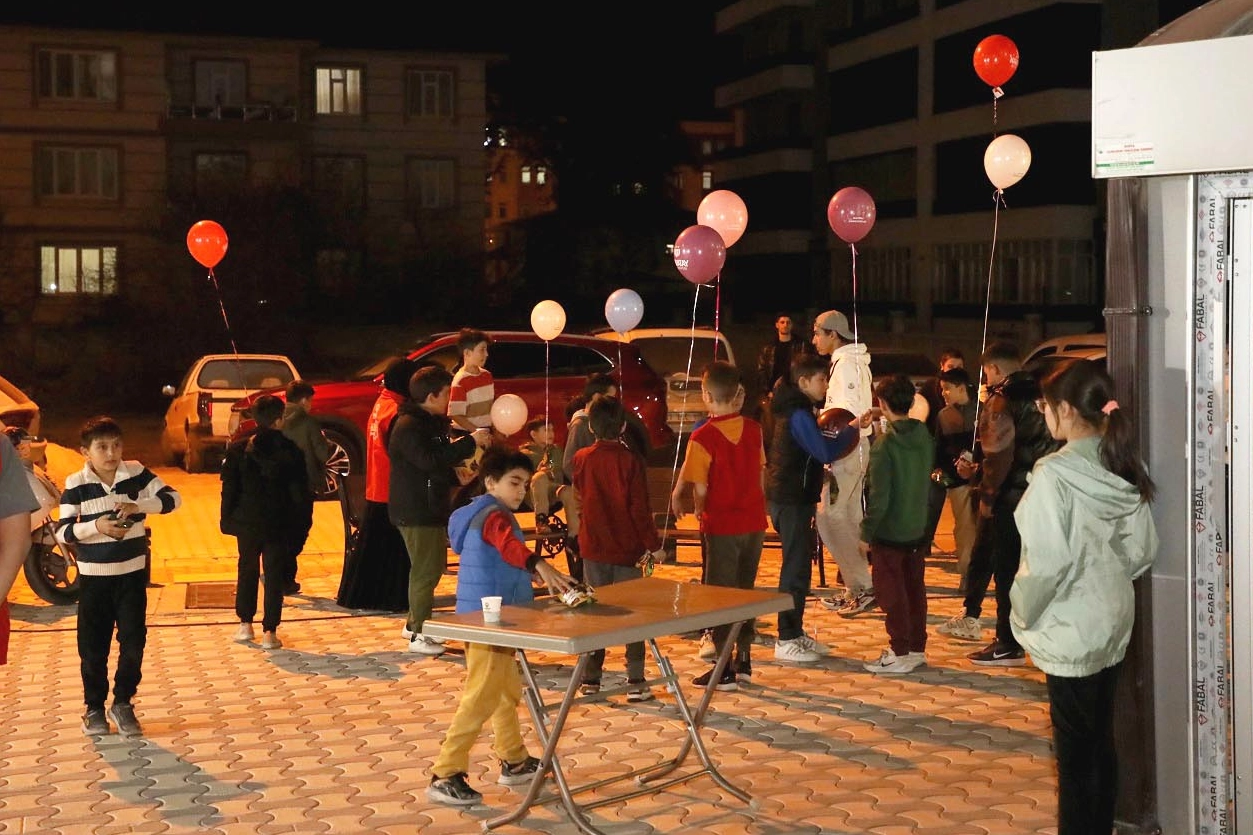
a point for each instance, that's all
(1087, 533)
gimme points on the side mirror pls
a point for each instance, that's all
(168, 391)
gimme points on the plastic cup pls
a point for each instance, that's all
(491, 609)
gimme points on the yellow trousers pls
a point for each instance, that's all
(493, 690)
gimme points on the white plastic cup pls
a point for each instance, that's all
(491, 609)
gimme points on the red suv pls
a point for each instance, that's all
(521, 363)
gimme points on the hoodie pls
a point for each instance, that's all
(899, 476)
(1086, 534)
(265, 490)
(850, 385)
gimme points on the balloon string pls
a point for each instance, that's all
(853, 249)
(222, 307)
(547, 365)
(998, 200)
(717, 310)
(691, 350)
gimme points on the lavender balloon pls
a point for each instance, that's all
(624, 309)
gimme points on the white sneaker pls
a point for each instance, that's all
(862, 602)
(270, 641)
(244, 633)
(423, 645)
(836, 602)
(794, 651)
(406, 633)
(813, 646)
(890, 663)
(708, 649)
(920, 657)
(962, 628)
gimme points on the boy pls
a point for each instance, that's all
(420, 490)
(102, 515)
(264, 497)
(894, 528)
(306, 433)
(473, 388)
(617, 528)
(725, 467)
(798, 452)
(495, 560)
(549, 483)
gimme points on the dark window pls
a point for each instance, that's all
(510, 360)
(447, 358)
(891, 178)
(226, 374)
(877, 92)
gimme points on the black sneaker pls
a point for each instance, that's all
(744, 672)
(95, 723)
(453, 790)
(997, 654)
(518, 774)
(726, 682)
(639, 691)
(291, 588)
(123, 715)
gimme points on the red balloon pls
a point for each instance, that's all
(699, 253)
(206, 241)
(851, 214)
(996, 59)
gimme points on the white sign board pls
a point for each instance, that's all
(1177, 108)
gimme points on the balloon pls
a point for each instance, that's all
(206, 240)
(548, 319)
(508, 414)
(1006, 160)
(996, 59)
(851, 214)
(699, 253)
(832, 421)
(725, 213)
(624, 309)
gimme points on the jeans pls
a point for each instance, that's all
(794, 523)
(104, 602)
(1082, 710)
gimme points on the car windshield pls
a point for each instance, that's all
(669, 354)
(255, 374)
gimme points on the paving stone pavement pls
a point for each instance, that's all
(336, 731)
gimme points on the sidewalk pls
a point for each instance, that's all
(336, 731)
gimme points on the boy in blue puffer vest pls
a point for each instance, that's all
(495, 560)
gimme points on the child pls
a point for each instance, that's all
(495, 560)
(548, 484)
(798, 452)
(264, 494)
(304, 431)
(725, 467)
(1087, 533)
(102, 515)
(894, 527)
(473, 388)
(617, 528)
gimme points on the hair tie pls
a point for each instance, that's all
(1109, 407)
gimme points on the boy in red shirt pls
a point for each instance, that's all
(726, 467)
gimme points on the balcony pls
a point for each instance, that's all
(262, 120)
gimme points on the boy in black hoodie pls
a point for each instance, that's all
(264, 493)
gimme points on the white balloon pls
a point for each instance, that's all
(1006, 160)
(548, 319)
(624, 309)
(508, 414)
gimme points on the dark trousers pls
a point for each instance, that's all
(299, 538)
(900, 589)
(600, 574)
(935, 508)
(256, 550)
(1006, 554)
(732, 560)
(1082, 710)
(979, 574)
(105, 602)
(794, 523)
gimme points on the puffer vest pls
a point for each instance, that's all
(482, 571)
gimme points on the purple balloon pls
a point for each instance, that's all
(699, 253)
(851, 214)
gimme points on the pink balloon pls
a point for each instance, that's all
(725, 213)
(851, 214)
(699, 253)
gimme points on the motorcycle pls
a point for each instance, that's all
(51, 568)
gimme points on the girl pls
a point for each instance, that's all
(1087, 532)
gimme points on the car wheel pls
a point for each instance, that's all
(344, 461)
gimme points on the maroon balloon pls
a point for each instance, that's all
(699, 253)
(851, 214)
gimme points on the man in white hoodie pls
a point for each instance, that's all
(839, 512)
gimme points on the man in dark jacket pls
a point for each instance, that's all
(264, 492)
(306, 433)
(420, 492)
(774, 363)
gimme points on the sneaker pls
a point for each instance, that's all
(95, 723)
(589, 688)
(708, 649)
(892, 664)
(836, 602)
(638, 691)
(270, 641)
(920, 657)
(744, 672)
(291, 588)
(727, 682)
(123, 715)
(864, 601)
(406, 633)
(244, 633)
(812, 645)
(454, 791)
(519, 774)
(997, 654)
(962, 627)
(794, 651)
(423, 645)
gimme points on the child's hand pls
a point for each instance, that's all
(554, 579)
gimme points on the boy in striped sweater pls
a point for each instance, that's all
(102, 516)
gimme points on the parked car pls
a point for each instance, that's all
(1045, 356)
(679, 355)
(547, 376)
(197, 421)
(16, 409)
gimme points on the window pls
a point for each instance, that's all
(706, 180)
(526, 173)
(77, 74)
(431, 184)
(338, 272)
(338, 90)
(78, 269)
(77, 172)
(431, 93)
(1031, 272)
(513, 360)
(504, 213)
(220, 172)
(221, 84)
(339, 182)
(541, 175)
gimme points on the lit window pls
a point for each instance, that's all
(430, 93)
(431, 183)
(66, 270)
(526, 173)
(706, 180)
(541, 175)
(706, 147)
(338, 90)
(77, 172)
(77, 74)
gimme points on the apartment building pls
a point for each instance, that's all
(333, 171)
